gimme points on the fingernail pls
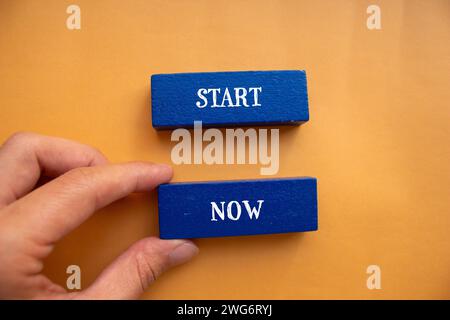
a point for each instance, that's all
(164, 166)
(183, 252)
(161, 167)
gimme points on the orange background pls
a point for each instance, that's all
(378, 138)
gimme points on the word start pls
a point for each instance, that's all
(237, 98)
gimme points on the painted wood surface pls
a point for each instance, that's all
(232, 208)
(229, 98)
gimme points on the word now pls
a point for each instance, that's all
(252, 212)
(242, 98)
(232, 208)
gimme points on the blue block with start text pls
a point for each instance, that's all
(218, 99)
(235, 208)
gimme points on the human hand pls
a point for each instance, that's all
(32, 221)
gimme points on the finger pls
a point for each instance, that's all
(25, 155)
(132, 272)
(53, 210)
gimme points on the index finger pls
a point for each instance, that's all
(53, 210)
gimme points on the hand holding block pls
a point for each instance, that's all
(229, 99)
(233, 208)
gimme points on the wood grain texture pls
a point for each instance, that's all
(287, 205)
(283, 99)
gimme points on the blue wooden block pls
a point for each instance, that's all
(229, 99)
(233, 208)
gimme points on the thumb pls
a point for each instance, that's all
(133, 271)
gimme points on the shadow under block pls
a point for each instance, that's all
(234, 208)
(229, 99)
